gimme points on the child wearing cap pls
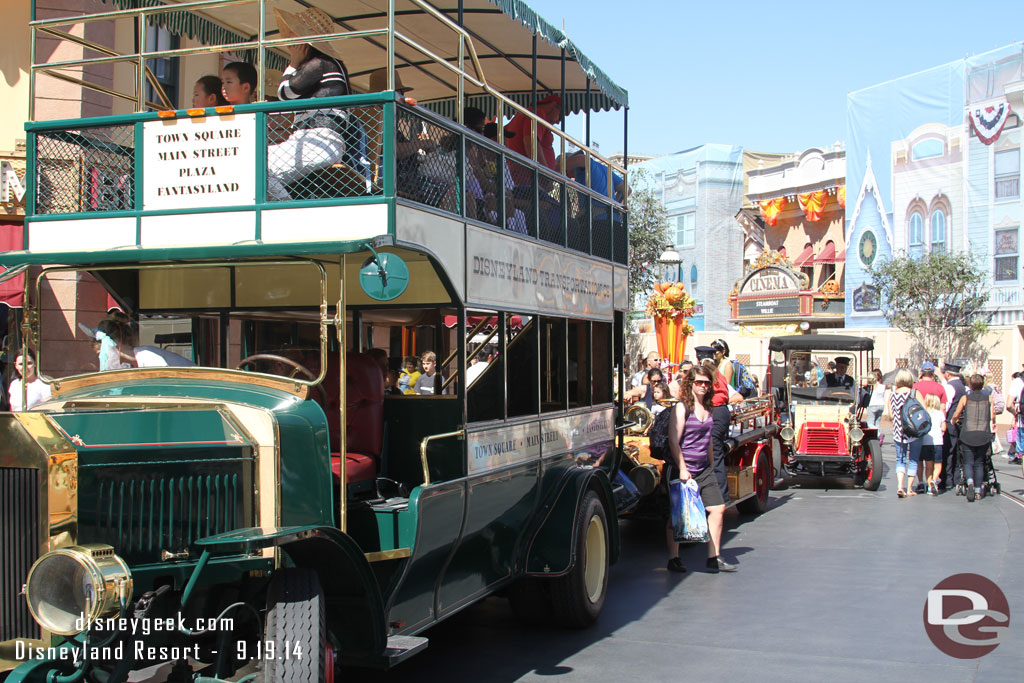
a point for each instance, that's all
(927, 385)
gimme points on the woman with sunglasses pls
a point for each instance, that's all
(692, 458)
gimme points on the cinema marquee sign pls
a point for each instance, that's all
(769, 293)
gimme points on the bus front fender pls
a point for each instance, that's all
(355, 608)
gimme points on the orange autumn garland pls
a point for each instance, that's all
(812, 204)
(771, 208)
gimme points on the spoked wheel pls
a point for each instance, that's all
(578, 596)
(297, 628)
(759, 503)
(873, 475)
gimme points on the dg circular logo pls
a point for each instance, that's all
(966, 616)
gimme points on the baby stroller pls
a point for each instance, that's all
(989, 487)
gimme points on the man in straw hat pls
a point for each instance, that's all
(318, 137)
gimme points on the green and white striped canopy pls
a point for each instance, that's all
(502, 32)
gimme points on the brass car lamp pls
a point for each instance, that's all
(787, 434)
(856, 434)
(69, 588)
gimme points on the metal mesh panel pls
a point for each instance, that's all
(600, 229)
(91, 169)
(578, 220)
(621, 237)
(324, 153)
(522, 195)
(551, 195)
(428, 171)
(484, 183)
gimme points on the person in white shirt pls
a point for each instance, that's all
(652, 362)
(478, 365)
(37, 390)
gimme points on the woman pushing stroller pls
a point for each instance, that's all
(977, 417)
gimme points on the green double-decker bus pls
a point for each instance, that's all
(290, 419)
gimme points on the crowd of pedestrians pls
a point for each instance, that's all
(961, 432)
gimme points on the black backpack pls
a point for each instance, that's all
(658, 434)
(916, 420)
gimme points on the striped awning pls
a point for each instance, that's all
(505, 51)
(805, 258)
(12, 291)
(828, 254)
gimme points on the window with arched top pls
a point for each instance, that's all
(693, 278)
(938, 231)
(915, 234)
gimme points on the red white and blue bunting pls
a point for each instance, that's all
(988, 121)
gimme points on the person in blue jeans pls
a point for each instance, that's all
(908, 448)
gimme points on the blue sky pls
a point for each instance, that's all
(772, 77)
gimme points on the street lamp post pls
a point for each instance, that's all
(669, 261)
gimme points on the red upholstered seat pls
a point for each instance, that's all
(364, 420)
(358, 467)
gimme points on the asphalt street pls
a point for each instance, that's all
(832, 584)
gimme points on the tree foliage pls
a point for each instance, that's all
(648, 234)
(937, 300)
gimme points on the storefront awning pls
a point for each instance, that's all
(805, 258)
(12, 292)
(828, 254)
(112, 305)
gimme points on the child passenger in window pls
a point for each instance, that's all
(430, 382)
(238, 83)
(208, 92)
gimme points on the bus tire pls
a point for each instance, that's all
(759, 502)
(873, 476)
(296, 621)
(528, 597)
(577, 597)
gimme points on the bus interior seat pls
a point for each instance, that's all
(364, 422)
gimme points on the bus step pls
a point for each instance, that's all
(402, 647)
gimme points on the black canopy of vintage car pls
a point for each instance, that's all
(821, 342)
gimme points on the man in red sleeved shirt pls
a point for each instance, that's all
(519, 133)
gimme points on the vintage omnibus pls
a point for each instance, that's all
(227, 478)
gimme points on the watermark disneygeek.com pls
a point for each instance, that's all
(966, 616)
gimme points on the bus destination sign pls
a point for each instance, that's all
(200, 162)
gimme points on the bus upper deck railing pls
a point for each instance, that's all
(392, 150)
(260, 44)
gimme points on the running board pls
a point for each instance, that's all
(400, 648)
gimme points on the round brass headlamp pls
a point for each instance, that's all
(69, 588)
(787, 434)
(856, 434)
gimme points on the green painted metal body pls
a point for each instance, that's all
(157, 477)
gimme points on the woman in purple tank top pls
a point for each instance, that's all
(693, 458)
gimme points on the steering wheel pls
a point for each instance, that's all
(298, 369)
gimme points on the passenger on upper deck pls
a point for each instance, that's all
(208, 92)
(238, 83)
(519, 134)
(575, 168)
(317, 140)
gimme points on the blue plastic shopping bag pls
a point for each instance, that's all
(689, 520)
